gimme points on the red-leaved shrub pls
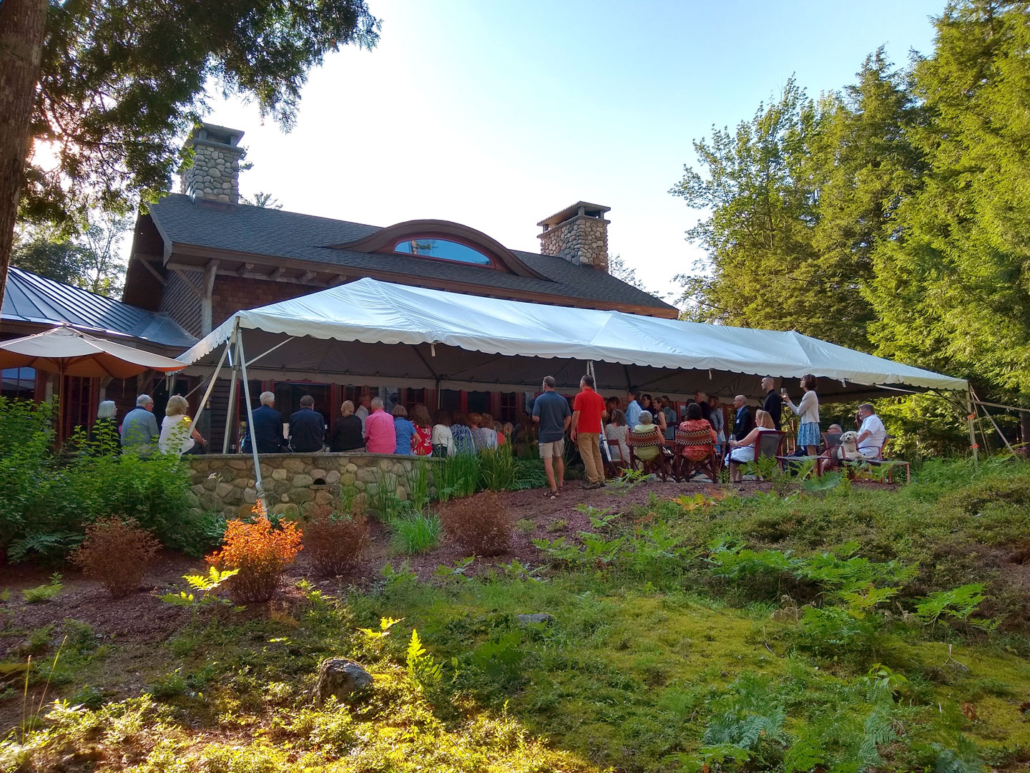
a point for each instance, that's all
(260, 553)
(116, 554)
(336, 540)
(480, 525)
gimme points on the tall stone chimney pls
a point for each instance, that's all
(579, 234)
(215, 174)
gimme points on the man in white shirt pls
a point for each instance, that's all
(362, 411)
(871, 434)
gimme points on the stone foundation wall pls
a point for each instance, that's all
(295, 483)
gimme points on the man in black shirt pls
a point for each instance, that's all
(267, 429)
(773, 402)
(706, 410)
(307, 428)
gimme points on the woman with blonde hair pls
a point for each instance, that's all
(177, 436)
(745, 448)
(346, 434)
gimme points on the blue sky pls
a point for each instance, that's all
(497, 115)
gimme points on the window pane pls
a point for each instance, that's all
(441, 248)
(19, 383)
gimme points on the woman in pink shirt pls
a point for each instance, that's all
(380, 436)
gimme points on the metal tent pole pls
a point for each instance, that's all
(972, 425)
(210, 386)
(230, 411)
(250, 422)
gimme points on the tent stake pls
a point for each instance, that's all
(250, 423)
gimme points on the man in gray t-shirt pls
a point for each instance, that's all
(552, 413)
(139, 428)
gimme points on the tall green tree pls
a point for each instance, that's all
(798, 198)
(758, 233)
(952, 287)
(89, 260)
(112, 84)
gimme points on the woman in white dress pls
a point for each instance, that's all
(743, 451)
(177, 436)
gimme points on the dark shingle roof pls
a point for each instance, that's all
(275, 233)
(31, 298)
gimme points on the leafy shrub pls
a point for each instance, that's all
(415, 533)
(46, 503)
(25, 437)
(116, 555)
(497, 469)
(336, 540)
(480, 525)
(260, 554)
(44, 593)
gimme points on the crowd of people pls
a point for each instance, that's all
(599, 428)
(369, 428)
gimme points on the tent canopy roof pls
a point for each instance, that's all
(464, 341)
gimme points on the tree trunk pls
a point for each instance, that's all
(22, 24)
(1024, 432)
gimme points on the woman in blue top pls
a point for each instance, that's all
(405, 430)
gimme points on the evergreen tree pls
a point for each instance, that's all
(952, 284)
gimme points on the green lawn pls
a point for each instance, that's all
(789, 631)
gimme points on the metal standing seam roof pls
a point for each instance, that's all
(35, 299)
(295, 236)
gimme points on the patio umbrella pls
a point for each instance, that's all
(69, 352)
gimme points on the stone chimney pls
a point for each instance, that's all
(579, 234)
(215, 174)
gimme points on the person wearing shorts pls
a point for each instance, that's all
(551, 412)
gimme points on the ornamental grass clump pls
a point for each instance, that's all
(336, 540)
(259, 553)
(479, 525)
(116, 554)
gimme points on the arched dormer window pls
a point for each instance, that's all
(441, 249)
(442, 240)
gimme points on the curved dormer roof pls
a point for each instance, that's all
(385, 240)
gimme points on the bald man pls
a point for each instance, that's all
(743, 422)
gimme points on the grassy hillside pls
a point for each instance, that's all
(859, 627)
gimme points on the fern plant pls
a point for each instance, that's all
(422, 669)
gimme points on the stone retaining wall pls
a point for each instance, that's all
(295, 483)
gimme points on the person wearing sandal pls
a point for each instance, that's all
(551, 412)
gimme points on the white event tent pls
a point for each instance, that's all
(376, 333)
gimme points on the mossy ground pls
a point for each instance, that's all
(652, 662)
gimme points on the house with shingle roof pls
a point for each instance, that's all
(200, 255)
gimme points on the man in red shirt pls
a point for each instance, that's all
(586, 430)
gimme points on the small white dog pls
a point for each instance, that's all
(848, 448)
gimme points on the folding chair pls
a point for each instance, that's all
(684, 468)
(769, 443)
(648, 440)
